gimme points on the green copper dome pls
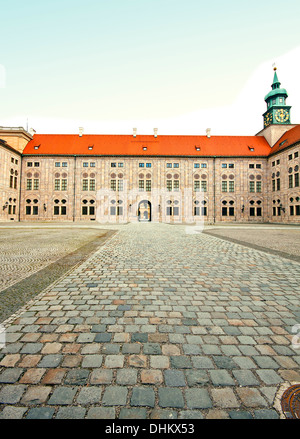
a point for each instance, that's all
(276, 90)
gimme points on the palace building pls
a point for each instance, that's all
(177, 179)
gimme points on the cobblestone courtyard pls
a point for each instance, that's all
(159, 324)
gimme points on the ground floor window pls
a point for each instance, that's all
(88, 207)
(32, 207)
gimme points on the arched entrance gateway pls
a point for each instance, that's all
(144, 211)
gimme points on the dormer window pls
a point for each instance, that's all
(144, 148)
(91, 147)
(37, 146)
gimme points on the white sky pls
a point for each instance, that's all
(179, 66)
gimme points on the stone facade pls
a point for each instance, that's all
(232, 189)
(10, 172)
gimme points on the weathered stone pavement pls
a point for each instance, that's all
(157, 323)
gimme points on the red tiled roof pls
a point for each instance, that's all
(126, 145)
(287, 139)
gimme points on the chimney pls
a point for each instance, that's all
(208, 130)
(134, 132)
(80, 131)
(155, 131)
(32, 132)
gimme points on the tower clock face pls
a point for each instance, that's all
(281, 115)
(268, 119)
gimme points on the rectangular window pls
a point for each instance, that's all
(112, 210)
(56, 210)
(277, 162)
(175, 165)
(290, 181)
(231, 211)
(290, 156)
(252, 211)
(231, 165)
(273, 163)
(298, 209)
(196, 210)
(92, 210)
(148, 185)
(297, 179)
(252, 186)
(251, 166)
(63, 210)
(258, 186)
(203, 186)
(176, 185)
(148, 165)
(196, 165)
(57, 184)
(224, 186)
(119, 210)
(57, 164)
(258, 166)
(85, 164)
(224, 211)
(92, 165)
(14, 210)
(296, 154)
(169, 185)
(35, 210)
(113, 185)
(36, 184)
(175, 211)
(12, 160)
(92, 184)
(36, 164)
(15, 182)
(169, 211)
(28, 210)
(196, 185)
(84, 210)
(11, 181)
(120, 165)
(203, 165)
(291, 210)
(274, 211)
(141, 185)
(204, 211)
(224, 165)
(85, 184)
(231, 186)
(278, 211)
(258, 211)
(113, 165)
(141, 165)
(9, 209)
(29, 184)
(64, 184)
(273, 185)
(169, 165)
(278, 184)
(120, 185)
(64, 164)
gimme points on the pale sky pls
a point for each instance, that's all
(179, 66)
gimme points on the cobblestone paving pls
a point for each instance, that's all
(285, 241)
(25, 251)
(157, 324)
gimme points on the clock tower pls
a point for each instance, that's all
(278, 113)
